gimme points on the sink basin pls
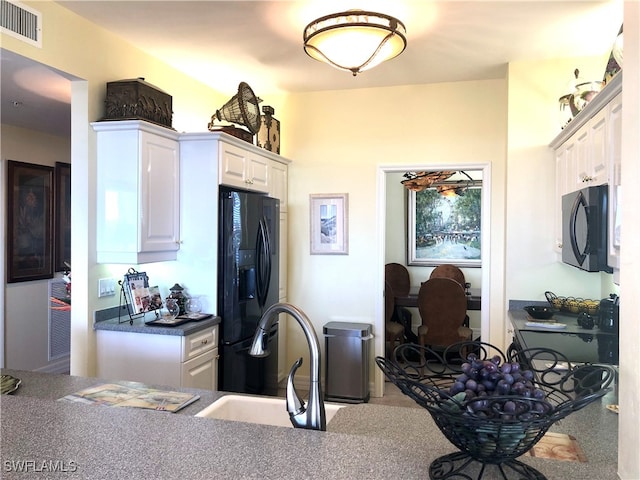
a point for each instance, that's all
(253, 409)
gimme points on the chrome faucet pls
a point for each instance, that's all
(313, 416)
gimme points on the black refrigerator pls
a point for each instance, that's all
(247, 285)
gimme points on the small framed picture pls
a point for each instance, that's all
(156, 299)
(329, 224)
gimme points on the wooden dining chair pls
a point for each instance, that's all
(399, 280)
(451, 271)
(442, 304)
(394, 332)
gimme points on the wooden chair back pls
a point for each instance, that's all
(449, 271)
(442, 304)
(394, 332)
(398, 278)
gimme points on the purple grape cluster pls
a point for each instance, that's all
(481, 381)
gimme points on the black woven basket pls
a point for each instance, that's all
(495, 429)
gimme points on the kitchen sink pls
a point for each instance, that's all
(254, 409)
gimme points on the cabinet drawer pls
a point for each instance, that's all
(201, 371)
(200, 342)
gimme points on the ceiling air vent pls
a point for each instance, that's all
(21, 22)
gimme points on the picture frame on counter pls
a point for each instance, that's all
(29, 221)
(329, 224)
(138, 293)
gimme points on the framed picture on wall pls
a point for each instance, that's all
(444, 229)
(62, 217)
(329, 226)
(29, 221)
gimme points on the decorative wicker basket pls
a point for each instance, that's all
(482, 427)
(573, 304)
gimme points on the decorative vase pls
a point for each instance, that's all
(176, 293)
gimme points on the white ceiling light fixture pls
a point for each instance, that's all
(355, 40)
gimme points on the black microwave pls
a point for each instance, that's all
(584, 229)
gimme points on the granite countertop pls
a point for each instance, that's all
(519, 319)
(108, 320)
(579, 345)
(362, 441)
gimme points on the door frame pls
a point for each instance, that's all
(381, 218)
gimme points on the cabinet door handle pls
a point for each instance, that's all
(205, 341)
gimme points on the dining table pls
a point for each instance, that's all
(474, 298)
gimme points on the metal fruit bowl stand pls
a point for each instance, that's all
(489, 435)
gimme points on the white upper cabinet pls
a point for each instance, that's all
(247, 167)
(138, 203)
(278, 183)
(614, 144)
(243, 168)
(592, 158)
(587, 153)
(212, 158)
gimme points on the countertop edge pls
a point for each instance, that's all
(138, 325)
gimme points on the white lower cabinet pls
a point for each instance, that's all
(172, 360)
(201, 372)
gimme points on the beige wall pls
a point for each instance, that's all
(533, 267)
(347, 150)
(27, 303)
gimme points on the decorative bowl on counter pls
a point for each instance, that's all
(538, 312)
(493, 407)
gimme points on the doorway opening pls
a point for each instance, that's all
(392, 237)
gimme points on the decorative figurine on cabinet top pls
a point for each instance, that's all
(269, 134)
(136, 99)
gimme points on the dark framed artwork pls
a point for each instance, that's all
(29, 222)
(445, 229)
(62, 217)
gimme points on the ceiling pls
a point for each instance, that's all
(224, 42)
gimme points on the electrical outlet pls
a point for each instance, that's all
(106, 287)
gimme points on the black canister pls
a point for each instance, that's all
(585, 321)
(609, 313)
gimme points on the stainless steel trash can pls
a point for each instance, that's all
(347, 356)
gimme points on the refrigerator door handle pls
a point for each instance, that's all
(263, 262)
